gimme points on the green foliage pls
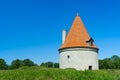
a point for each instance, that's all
(110, 63)
(16, 64)
(28, 62)
(37, 73)
(42, 65)
(56, 65)
(50, 65)
(116, 61)
(3, 64)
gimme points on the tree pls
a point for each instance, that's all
(110, 63)
(3, 64)
(42, 64)
(105, 64)
(56, 65)
(101, 64)
(49, 64)
(28, 62)
(116, 61)
(16, 64)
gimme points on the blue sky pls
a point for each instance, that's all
(32, 28)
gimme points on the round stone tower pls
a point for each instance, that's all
(78, 49)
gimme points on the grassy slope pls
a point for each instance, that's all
(36, 73)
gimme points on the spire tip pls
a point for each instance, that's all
(77, 13)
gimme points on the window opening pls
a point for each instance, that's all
(90, 67)
(90, 42)
(68, 56)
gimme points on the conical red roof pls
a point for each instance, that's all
(77, 36)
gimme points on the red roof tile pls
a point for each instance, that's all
(77, 36)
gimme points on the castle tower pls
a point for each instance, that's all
(78, 49)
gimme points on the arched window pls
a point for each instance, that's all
(90, 67)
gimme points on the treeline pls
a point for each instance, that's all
(50, 65)
(15, 64)
(106, 63)
(110, 63)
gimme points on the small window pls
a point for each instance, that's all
(68, 56)
(90, 42)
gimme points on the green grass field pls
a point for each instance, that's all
(37, 73)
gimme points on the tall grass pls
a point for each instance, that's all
(37, 73)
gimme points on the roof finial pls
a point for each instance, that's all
(77, 13)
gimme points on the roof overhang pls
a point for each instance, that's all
(78, 48)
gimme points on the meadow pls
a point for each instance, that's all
(38, 73)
